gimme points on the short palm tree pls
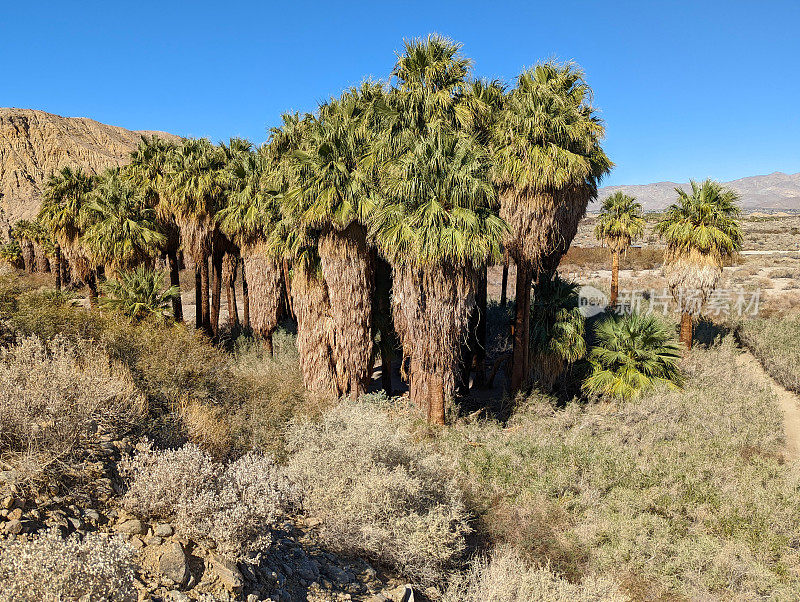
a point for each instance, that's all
(558, 330)
(121, 230)
(634, 353)
(24, 234)
(548, 162)
(139, 294)
(11, 254)
(701, 230)
(62, 214)
(620, 223)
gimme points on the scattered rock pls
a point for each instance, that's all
(131, 527)
(162, 530)
(15, 514)
(14, 526)
(227, 572)
(172, 563)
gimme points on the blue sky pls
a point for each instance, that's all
(687, 89)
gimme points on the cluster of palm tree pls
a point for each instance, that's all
(371, 221)
(700, 231)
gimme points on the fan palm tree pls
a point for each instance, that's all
(248, 219)
(634, 353)
(619, 224)
(121, 231)
(139, 294)
(558, 330)
(436, 228)
(24, 234)
(11, 254)
(548, 162)
(194, 189)
(337, 197)
(701, 230)
(62, 214)
(148, 169)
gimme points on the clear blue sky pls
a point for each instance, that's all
(687, 89)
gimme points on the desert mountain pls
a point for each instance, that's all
(34, 143)
(774, 192)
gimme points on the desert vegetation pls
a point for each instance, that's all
(372, 421)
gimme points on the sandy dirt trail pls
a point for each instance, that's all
(788, 402)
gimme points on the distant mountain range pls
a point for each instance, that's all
(772, 193)
(34, 143)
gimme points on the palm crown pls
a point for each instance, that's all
(620, 221)
(702, 224)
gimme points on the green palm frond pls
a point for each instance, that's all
(620, 221)
(139, 294)
(634, 353)
(703, 223)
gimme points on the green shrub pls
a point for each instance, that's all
(140, 294)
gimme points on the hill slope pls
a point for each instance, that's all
(774, 192)
(34, 143)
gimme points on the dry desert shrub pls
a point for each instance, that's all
(229, 507)
(507, 577)
(51, 569)
(684, 493)
(775, 341)
(378, 491)
(54, 398)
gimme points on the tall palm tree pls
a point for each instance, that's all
(436, 229)
(194, 188)
(634, 353)
(148, 169)
(701, 230)
(337, 197)
(620, 223)
(121, 231)
(548, 164)
(62, 214)
(248, 219)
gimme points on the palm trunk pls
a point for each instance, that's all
(175, 280)
(519, 369)
(198, 297)
(504, 285)
(204, 286)
(312, 308)
(614, 278)
(216, 288)
(482, 302)
(245, 300)
(432, 308)
(28, 255)
(91, 282)
(349, 276)
(65, 271)
(41, 262)
(57, 254)
(229, 265)
(687, 328)
(264, 286)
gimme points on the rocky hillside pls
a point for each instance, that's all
(34, 143)
(774, 192)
